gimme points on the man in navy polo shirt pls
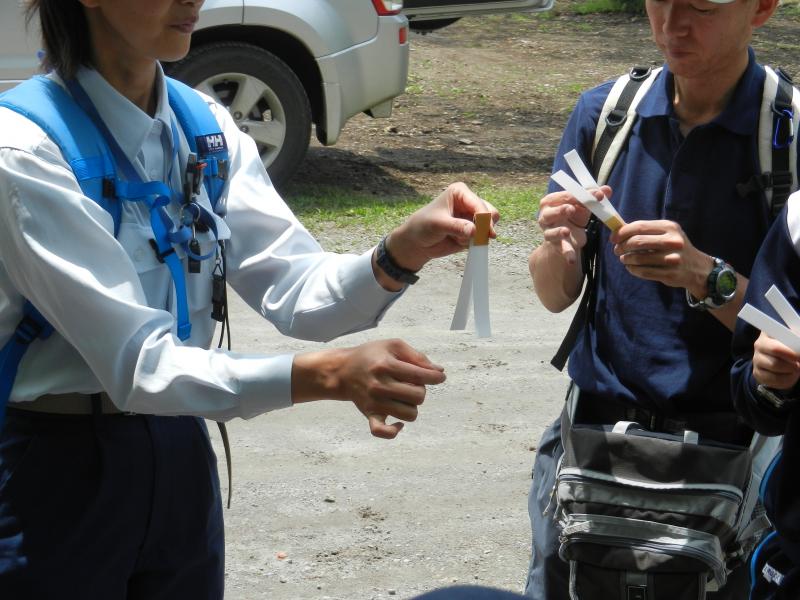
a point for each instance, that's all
(658, 339)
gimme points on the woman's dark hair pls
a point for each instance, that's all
(65, 35)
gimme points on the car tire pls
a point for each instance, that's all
(263, 95)
(430, 25)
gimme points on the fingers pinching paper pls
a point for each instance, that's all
(475, 284)
(603, 210)
(788, 336)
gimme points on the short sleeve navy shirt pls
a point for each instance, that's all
(645, 344)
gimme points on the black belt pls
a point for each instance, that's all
(721, 426)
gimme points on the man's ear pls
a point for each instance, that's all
(764, 10)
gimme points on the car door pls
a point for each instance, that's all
(18, 46)
(448, 9)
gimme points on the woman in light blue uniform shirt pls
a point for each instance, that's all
(96, 502)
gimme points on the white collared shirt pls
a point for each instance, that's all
(112, 303)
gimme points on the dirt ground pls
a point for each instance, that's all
(321, 509)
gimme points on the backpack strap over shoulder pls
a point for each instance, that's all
(777, 150)
(203, 135)
(49, 106)
(70, 121)
(45, 103)
(618, 117)
(614, 125)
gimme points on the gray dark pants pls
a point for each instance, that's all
(548, 575)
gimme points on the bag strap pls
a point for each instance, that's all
(618, 117)
(777, 152)
(33, 326)
(204, 137)
(616, 121)
(47, 104)
(778, 122)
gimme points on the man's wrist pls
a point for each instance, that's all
(777, 399)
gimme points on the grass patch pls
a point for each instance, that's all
(514, 203)
(598, 7)
(322, 207)
(608, 6)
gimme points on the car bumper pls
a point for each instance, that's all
(372, 73)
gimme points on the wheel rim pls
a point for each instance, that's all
(256, 109)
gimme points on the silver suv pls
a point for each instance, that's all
(281, 65)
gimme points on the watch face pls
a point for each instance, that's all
(726, 283)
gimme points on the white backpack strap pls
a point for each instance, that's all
(773, 86)
(617, 118)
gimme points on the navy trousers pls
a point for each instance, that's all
(109, 507)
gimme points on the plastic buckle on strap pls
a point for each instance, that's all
(109, 188)
(161, 257)
(28, 330)
(640, 72)
(616, 118)
(222, 169)
(783, 116)
(781, 182)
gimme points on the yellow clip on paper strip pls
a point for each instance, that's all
(475, 284)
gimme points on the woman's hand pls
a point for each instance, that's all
(442, 227)
(385, 378)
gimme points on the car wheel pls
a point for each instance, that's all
(263, 95)
(430, 25)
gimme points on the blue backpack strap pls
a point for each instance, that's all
(203, 135)
(32, 326)
(44, 102)
(47, 104)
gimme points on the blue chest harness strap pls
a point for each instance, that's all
(157, 195)
(92, 152)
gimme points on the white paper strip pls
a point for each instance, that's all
(770, 326)
(475, 284)
(783, 308)
(480, 290)
(580, 171)
(464, 302)
(604, 211)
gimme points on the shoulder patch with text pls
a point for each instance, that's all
(212, 143)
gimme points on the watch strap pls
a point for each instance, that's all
(391, 268)
(776, 398)
(713, 298)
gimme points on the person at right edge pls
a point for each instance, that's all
(655, 341)
(765, 386)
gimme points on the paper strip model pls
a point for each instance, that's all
(603, 210)
(770, 326)
(475, 284)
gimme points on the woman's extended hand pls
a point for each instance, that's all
(385, 378)
(442, 227)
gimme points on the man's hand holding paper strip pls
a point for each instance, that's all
(788, 336)
(475, 284)
(603, 210)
